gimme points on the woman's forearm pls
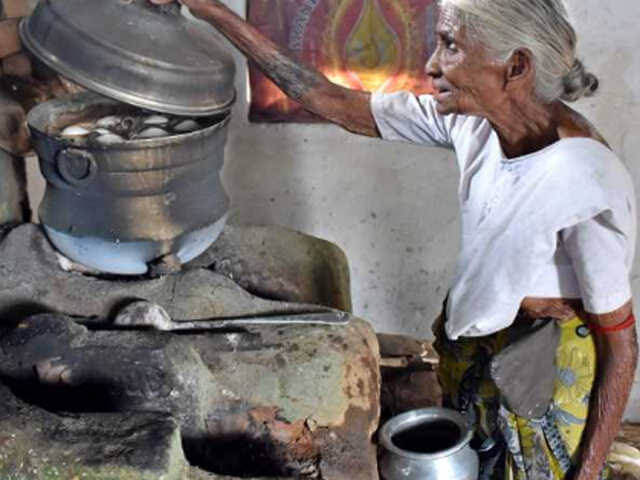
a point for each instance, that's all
(294, 79)
(617, 358)
(346, 107)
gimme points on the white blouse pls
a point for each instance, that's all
(559, 222)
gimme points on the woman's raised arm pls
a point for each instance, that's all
(347, 108)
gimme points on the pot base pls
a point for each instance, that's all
(132, 258)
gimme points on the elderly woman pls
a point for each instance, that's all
(548, 227)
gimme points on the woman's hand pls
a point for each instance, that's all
(556, 308)
(197, 7)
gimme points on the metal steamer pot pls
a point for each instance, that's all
(118, 207)
(428, 444)
(129, 50)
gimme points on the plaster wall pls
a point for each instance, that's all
(392, 207)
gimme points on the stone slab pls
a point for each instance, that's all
(282, 264)
(289, 401)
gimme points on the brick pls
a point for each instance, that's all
(17, 64)
(14, 136)
(16, 8)
(13, 190)
(9, 38)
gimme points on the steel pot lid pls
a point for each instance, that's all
(134, 52)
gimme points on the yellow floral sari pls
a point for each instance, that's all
(512, 447)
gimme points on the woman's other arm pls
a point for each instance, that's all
(347, 108)
(599, 251)
(617, 354)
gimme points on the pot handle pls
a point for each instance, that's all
(76, 167)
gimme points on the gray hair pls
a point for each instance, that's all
(540, 26)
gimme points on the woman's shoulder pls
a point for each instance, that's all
(575, 154)
(582, 147)
(587, 165)
(572, 124)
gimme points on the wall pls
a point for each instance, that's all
(392, 207)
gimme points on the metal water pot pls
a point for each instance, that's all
(428, 444)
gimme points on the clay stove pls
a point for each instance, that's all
(84, 396)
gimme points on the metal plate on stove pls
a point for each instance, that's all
(134, 52)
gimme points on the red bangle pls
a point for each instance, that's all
(629, 322)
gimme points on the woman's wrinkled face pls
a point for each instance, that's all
(466, 79)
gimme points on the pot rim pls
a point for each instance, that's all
(411, 418)
(36, 120)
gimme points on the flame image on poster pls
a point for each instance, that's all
(372, 45)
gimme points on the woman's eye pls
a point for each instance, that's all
(452, 46)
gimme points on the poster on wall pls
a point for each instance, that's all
(373, 45)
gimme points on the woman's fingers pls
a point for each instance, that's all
(558, 308)
(188, 3)
(196, 7)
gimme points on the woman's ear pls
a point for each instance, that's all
(520, 69)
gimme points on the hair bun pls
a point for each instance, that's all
(579, 83)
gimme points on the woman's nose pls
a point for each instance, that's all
(432, 68)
